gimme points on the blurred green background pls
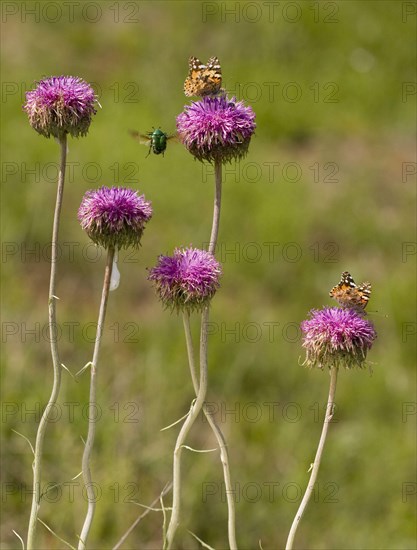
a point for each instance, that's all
(328, 185)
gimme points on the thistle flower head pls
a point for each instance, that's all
(61, 105)
(187, 280)
(216, 128)
(336, 337)
(114, 216)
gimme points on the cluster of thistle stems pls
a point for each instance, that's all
(199, 381)
(199, 384)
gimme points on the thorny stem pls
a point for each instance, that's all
(231, 522)
(189, 421)
(224, 456)
(37, 465)
(91, 496)
(317, 459)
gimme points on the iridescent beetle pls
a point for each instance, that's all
(156, 140)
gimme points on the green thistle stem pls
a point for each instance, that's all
(224, 456)
(189, 421)
(316, 465)
(217, 206)
(91, 497)
(37, 462)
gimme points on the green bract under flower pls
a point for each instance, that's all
(216, 128)
(114, 216)
(334, 337)
(61, 105)
(187, 280)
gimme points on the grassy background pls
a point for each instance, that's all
(326, 81)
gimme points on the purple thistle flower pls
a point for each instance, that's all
(187, 280)
(216, 128)
(61, 105)
(336, 336)
(114, 216)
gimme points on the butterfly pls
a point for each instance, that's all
(203, 79)
(349, 294)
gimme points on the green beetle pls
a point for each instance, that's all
(156, 140)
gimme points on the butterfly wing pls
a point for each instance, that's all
(364, 292)
(348, 294)
(195, 67)
(345, 285)
(192, 81)
(212, 76)
(203, 79)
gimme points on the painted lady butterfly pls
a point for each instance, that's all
(348, 294)
(203, 79)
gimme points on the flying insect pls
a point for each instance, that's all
(156, 140)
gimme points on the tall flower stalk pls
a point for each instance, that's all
(333, 337)
(113, 218)
(88, 481)
(224, 455)
(56, 363)
(186, 427)
(317, 459)
(57, 107)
